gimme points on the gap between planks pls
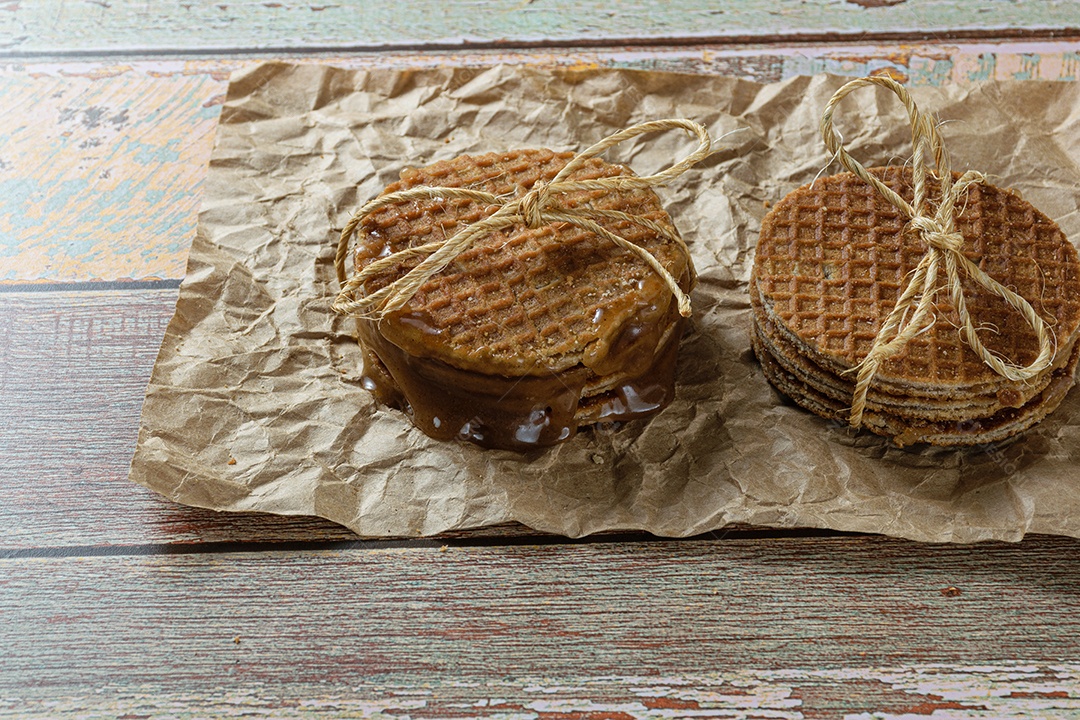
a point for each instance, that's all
(90, 286)
(762, 42)
(507, 535)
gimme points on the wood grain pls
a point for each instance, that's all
(119, 151)
(73, 370)
(101, 177)
(64, 28)
(799, 628)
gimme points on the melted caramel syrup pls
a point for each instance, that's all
(535, 398)
(519, 413)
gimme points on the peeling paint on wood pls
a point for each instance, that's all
(572, 631)
(131, 25)
(102, 180)
(101, 173)
(749, 695)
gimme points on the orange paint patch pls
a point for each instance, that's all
(891, 72)
(98, 72)
(1053, 694)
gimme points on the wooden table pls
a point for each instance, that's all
(115, 603)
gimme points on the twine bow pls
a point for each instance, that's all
(534, 209)
(943, 245)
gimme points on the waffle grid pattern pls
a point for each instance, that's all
(520, 299)
(833, 258)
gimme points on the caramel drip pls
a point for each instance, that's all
(511, 413)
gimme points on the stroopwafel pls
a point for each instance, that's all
(530, 332)
(834, 259)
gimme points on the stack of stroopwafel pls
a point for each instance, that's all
(530, 331)
(832, 262)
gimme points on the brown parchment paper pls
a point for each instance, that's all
(255, 368)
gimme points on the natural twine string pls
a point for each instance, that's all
(535, 208)
(943, 245)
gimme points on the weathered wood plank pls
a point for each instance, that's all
(799, 628)
(977, 692)
(916, 692)
(102, 180)
(102, 177)
(52, 26)
(73, 370)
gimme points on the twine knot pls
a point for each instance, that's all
(532, 205)
(532, 208)
(944, 246)
(937, 235)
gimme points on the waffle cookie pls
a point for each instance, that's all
(832, 261)
(530, 332)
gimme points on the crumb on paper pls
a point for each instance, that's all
(232, 461)
(236, 639)
(951, 591)
(444, 548)
(907, 437)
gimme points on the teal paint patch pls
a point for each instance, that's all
(60, 195)
(1029, 67)
(985, 70)
(1070, 66)
(209, 112)
(846, 67)
(15, 196)
(147, 154)
(929, 71)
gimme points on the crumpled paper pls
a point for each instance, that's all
(255, 402)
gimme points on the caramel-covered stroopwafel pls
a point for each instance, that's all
(522, 301)
(508, 298)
